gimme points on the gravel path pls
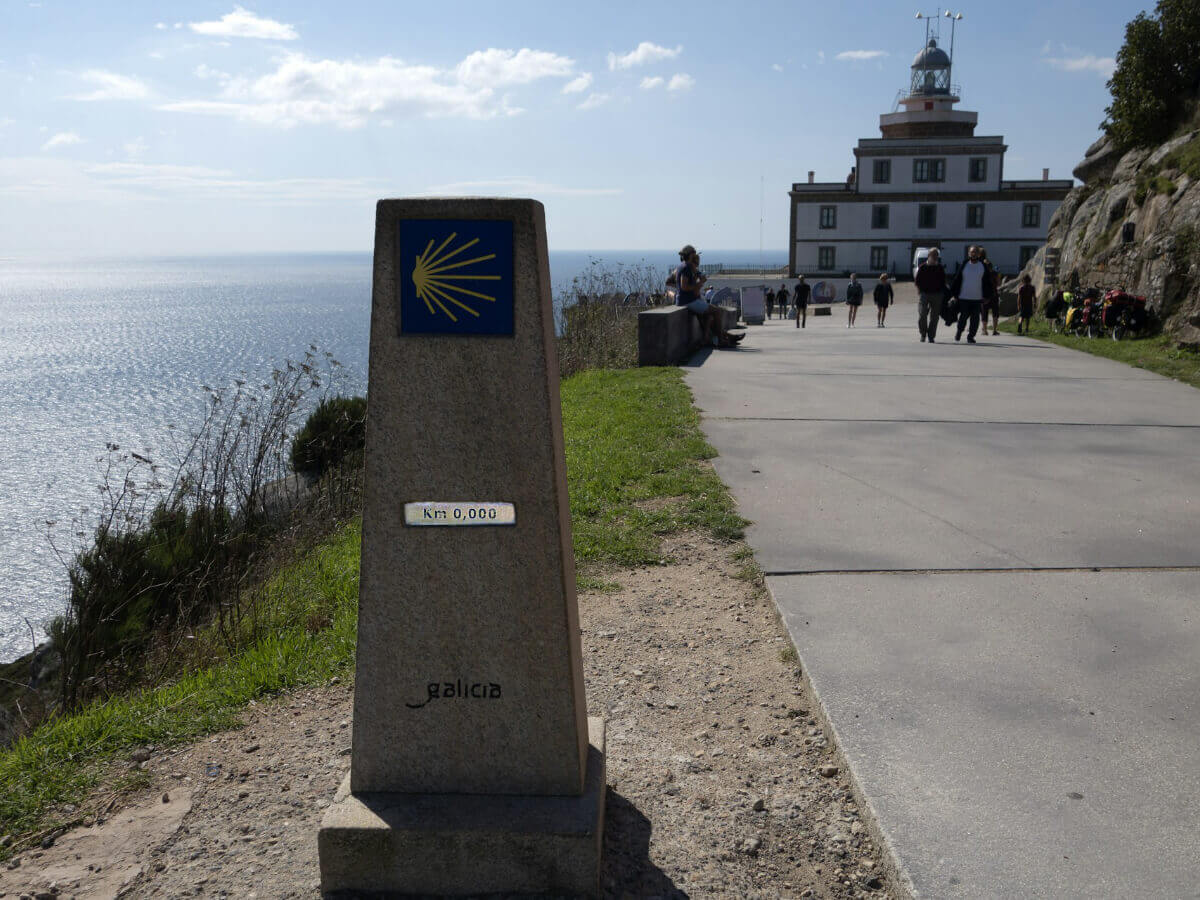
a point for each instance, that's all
(723, 779)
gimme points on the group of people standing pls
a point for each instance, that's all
(801, 294)
(974, 289)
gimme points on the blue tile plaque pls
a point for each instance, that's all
(455, 276)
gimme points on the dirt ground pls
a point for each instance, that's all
(720, 769)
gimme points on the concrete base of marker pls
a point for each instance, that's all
(463, 844)
(820, 311)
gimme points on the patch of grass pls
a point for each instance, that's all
(748, 568)
(789, 655)
(596, 585)
(1155, 354)
(62, 761)
(633, 436)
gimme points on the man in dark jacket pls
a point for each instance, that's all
(974, 283)
(931, 291)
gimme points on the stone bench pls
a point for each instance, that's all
(667, 335)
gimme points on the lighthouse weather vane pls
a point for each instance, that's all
(954, 18)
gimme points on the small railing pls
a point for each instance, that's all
(722, 269)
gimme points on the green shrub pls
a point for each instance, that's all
(134, 583)
(336, 428)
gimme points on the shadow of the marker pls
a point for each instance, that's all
(627, 870)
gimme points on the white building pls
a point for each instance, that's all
(927, 182)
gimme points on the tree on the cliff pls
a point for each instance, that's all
(1157, 71)
(1142, 85)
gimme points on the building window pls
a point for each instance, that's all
(978, 171)
(829, 217)
(826, 258)
(974, 215)
(879, 259)
(879, 216)
(1027, 253)
(883, 171)
(929, 170)
(927, 215)
(1031, 215)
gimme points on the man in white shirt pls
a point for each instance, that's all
(972, 285)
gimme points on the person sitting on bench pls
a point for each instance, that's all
(689, 281)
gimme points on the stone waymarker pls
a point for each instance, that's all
(474, 766)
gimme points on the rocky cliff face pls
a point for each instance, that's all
(1135, 223)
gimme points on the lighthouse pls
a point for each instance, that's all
(927, 181)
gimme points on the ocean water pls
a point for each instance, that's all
(117, 351)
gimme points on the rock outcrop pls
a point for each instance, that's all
(1134, 223)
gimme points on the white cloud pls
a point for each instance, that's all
(349, 93)
(56, 178)
(578, 85)
(860, 54)
(160, 26)
(136, 148)
(649, 84)
(681, 82)
(232, 87)
(243, 23)
(820, 56)
(593, 100)
(111, 86)
(515, 185)
(497, 68)
(5, 121)
(62, 139)
(1101, 65)
(1046, 47)
(644, 53)
(777, 67)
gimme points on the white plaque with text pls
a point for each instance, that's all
(432, 512)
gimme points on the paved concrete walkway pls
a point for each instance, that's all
(989, 560)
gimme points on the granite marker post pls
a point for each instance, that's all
(475, 768)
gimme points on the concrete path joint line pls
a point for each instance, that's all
(785, 573)
(947, 422)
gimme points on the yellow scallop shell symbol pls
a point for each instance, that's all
(439, 281)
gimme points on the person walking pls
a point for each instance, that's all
(1025, 297)
(854, 298)
(931, 289)
(770, 299)
(884, 297)
(991, 304)
(800, 299)
(784, 295)
(973, 284)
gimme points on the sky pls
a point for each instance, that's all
(191, 128)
